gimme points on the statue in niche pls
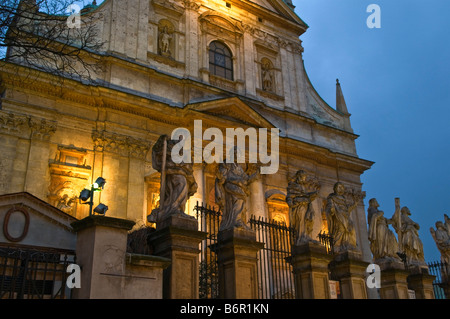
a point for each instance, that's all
(408, 236)
(165, 38)
(301, 193)
(441, 237)
(340, 225)
(267, 75)
(177, 181)
(232, 191)
(383, 243)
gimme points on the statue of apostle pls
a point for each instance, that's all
(383, 243)
(340, 225)
(177, 181)
(408, 234)
(232, 191)
(441, 237)
(301, 193)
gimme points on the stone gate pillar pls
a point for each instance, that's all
(310, 266)
(422, 284)
(177, 238)
(349, 268)
(237, 258)
(394, 284)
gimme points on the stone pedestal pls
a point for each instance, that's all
(350, 270)
(394, 284)
(177, 238)
(101, 248)
(237, 258)
(446, 287)
(310, 266)
(107, 271)
(422, 284)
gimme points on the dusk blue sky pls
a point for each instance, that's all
(396, 82)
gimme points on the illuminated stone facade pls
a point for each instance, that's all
(157, 74)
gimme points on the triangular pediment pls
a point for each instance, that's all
(30, 221)
(279, 7)
(232, 109)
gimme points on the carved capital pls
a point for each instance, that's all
(192, 5)
(11, 123)
(120, 144)
(42, 129)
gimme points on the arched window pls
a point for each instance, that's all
(220, 60)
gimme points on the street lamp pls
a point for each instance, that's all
(88, 194)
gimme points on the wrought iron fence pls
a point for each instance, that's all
(34, 274)
(327, 240)
(209, 221)
(275, 274)
(442, 273)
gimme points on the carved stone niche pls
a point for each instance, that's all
(69, 175)
(277, 206)
(270, 79)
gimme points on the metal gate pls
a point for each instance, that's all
(440, 270)
(274, 272)
(209, 221)
(34, 274)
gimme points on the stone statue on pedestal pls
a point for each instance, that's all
(340, 225)
(232, 191)
(177, 181)
(383, 244)
(301, 193)
(441, 237)
(407, 232)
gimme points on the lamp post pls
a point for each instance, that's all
(88, 194)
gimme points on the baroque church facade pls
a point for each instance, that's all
(165, 64)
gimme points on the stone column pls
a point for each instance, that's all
(237, 258)
(37, 178)
(422, 284)
(349, 268)
(177, 238)
(101, 249)
(200, 195)
(257, 199)
(310, 266)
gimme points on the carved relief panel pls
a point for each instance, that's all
(278, 209)
(69, 174)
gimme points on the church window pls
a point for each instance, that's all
(220, 60)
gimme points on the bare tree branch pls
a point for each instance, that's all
(40, 34)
